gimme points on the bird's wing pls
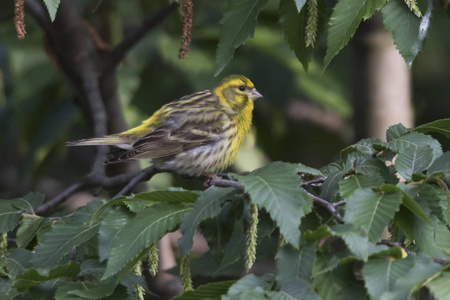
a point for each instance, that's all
(178, 134)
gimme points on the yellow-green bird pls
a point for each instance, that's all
(198, 134)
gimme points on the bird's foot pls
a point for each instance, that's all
(209, 178)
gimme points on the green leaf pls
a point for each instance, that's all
(348, 185)
(111, 225)
(32, 277)
(440, 287)
(212, 290)
(380, 274)
(440, 165)
(295, 263)
(408, 31)
(331, 185)
(413, 160)
(424, 267)
(366, 146)
(27, 229)
(396, 131)
(301, 168)
(441, 126)
(28, 203)
(238, 24)
(248, 282)
(412, 205)
(276, 188)
(63, 236)
(235, 248)
(141, 232)
(208, 205)
(346, 16)
(100, 291)
(18, 261)
(52, 7)
(9, 217)
(298, 289)
(293, 23)
(415, 139)
(371, 210)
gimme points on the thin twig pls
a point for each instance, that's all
(134, 37)
(329, 206)
(389, 243)
(60, 198)
(313, 182)
(144, 175)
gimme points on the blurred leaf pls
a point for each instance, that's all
(413, 160)
(9, 217)
(208, 205)
(212, 290)
(18, 261)
(235, 247)
(348, 185)
(52, 7)
(294, 263)
(408, 31)
(146, 228)
(248, 282)
(299, 4)
(346, 16)
(423, 268)
(440, 287)
(441, 126)
(32, 277)
(301, 168)
(238, 24)
(276, 188)
(27, 229)
(371, 210)
(100, 291)
(63, 236)
(396, 131)
(355, 238)
(380, 274)
(441, 164)
(298, 289)
(412, 205)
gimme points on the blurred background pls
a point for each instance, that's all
(305, 117)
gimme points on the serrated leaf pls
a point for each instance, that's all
(441, 126)
(299, 4)
(301, 168)
(424, 267)
(9, 217)
(396, 131)
(412, 205)
(366, 146)
(248, 282)
(52, 7)
(18, 261)
(141, 232)
(295, 263)
(293, 23)
(63, 289)
(89, 291)
(346, 16)
(412, 160)
(63, 236)
(329, 284)
(276, 188)
(27, 229)
(212, 290)
(32, 277)
(356, 239)
(408, 31)
(208, 205)
(348, 185)
(238, 24)
(372, 211)
(110, 226)
(440, 287)
(28, 203)
(380, 274)
(417, 140)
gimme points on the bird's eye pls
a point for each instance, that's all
(241, 88)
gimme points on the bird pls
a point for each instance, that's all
(196, 135)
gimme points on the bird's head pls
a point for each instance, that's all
(236, 91)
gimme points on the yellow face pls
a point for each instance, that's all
(237, 90)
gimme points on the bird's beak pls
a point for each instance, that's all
(255, 95)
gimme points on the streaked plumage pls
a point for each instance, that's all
(195, 135)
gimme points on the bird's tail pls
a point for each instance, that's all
(109, 140)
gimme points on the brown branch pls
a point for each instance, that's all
(329, 206)
(187, 28)
(389, 243)
(19, 18)
(134, 37)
